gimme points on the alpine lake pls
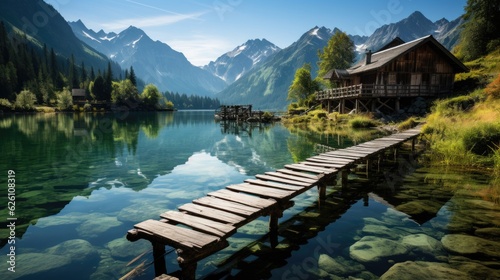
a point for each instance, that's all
(81, 181)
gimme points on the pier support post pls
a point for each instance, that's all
(413, 140)
(159, 259)
(367, 167)
(187, 265)
(344, 173)
(273, 226)
(321, 192)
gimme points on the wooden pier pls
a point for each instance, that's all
(201, 228)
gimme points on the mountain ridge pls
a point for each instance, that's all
(234, 64)
(153, 61)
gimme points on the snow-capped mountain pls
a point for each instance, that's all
(234, 64)
(266, 86)
(153, 61)
(414, 26)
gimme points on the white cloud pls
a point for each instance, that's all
(143, 22)
(200, 49)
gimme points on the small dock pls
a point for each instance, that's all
(239, 113)
(200, 228)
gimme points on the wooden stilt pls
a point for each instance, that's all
(367, 167)
(159, 258)
(413, 144)
(344, 173)
(321, 192)
(273, 226)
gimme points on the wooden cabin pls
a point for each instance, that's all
(422, 67)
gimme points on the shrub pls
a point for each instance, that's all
(87, 107)
(493, 88)
(64, 100)
(267, 116)
(318, 114)
(362, 122)
(482, 138)
(5, 104)
(25, 101)
(407, 124)
(459, 103)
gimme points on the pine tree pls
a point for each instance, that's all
(132, 76)
(337, 54)
(481, 30)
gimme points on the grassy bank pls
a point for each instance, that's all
(464, 131)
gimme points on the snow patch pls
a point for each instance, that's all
(315, 33)
(134, 42)
(90, 37)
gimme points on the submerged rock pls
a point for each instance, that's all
(466, 244)
(380, 230)
(39, 264)
(372, 249)
(422, 270)
(78, 250)
(489, 233)
(339, 266)
(93, 228)
(423, 243)
(122, 248)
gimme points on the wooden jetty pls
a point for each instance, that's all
(201, 228)
(241, 113)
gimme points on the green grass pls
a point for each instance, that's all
(407, 124)
(361, 121)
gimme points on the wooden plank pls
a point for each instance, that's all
(302, 167)
(298, 174)
(324, 164)
(289, 181)
(321, 158)
(274, 185)
(292, 177)
(228, 206)
(211, 213)
(175, 236)
(199, 224)
(342, 157)
(261, 191)
(347, 154)
(243, 198)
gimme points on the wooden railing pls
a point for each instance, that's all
(371, 90)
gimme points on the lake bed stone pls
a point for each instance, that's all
(372, 249)
(466, 244)
(410, 270)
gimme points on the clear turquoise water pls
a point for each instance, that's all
(83, 180)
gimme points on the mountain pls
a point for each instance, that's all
(415, 26)
(153, 61)
(266, 86)
(42, 24)
(234, 64)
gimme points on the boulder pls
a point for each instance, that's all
(339, 266)
(423, 243)
(121, 248)
(78, 250)
(39, 265)
(466, 244)
(422, 270)
(372, 249)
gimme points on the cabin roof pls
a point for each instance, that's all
(337, 74)
(385, 56)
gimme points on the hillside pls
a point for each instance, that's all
(53, 31)
(153, 61)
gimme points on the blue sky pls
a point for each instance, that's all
(204, 30)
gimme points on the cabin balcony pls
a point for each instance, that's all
(377, 91)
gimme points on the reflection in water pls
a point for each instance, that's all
(83, 180)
